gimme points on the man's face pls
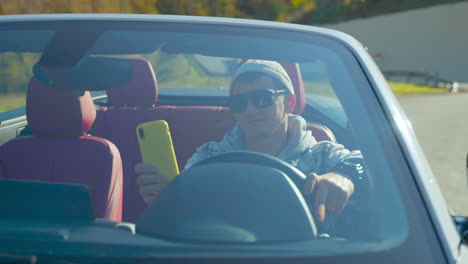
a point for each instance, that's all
(259, 122)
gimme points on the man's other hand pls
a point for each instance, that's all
(332, 192)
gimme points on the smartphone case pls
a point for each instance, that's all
(156, 147)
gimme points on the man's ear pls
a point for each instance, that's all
(290, 103)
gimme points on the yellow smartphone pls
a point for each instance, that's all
(156, 147)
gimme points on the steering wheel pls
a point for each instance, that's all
(226, 198)
(259, 159)
(293, 173)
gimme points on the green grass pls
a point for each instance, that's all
(409, 88)
(10, 102)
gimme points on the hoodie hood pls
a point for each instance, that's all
(300, 138)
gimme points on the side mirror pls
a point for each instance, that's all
(462, 228)
(460, 221)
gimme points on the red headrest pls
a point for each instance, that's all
(295, 75)
(142, 89)
(58, 113)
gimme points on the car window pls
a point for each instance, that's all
(316, 79)
(16, 70)
(14, 77)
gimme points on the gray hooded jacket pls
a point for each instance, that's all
(302, 151)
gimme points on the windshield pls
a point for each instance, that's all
(300, 157)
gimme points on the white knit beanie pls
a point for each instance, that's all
(272, 68)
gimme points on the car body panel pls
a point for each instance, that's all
(12, 122)
(421, 170)
(422, 175)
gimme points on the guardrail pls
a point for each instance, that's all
(424, 78)
(428, 79)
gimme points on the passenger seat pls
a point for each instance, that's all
(60, 152)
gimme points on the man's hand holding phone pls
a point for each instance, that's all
(150, 183)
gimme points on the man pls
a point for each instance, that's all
(261, 99)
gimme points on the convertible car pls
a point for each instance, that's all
(68, 189)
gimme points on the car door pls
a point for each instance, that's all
(12, 124)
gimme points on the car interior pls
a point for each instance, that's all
(74, 131)
(112, 142)
(54, 154)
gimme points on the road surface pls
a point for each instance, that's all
(441, 125)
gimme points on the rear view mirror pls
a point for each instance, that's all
(90, 74)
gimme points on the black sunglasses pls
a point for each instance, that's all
(260, 99)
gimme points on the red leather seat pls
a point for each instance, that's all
(320, 132)
(60, 152)
(128, 107)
